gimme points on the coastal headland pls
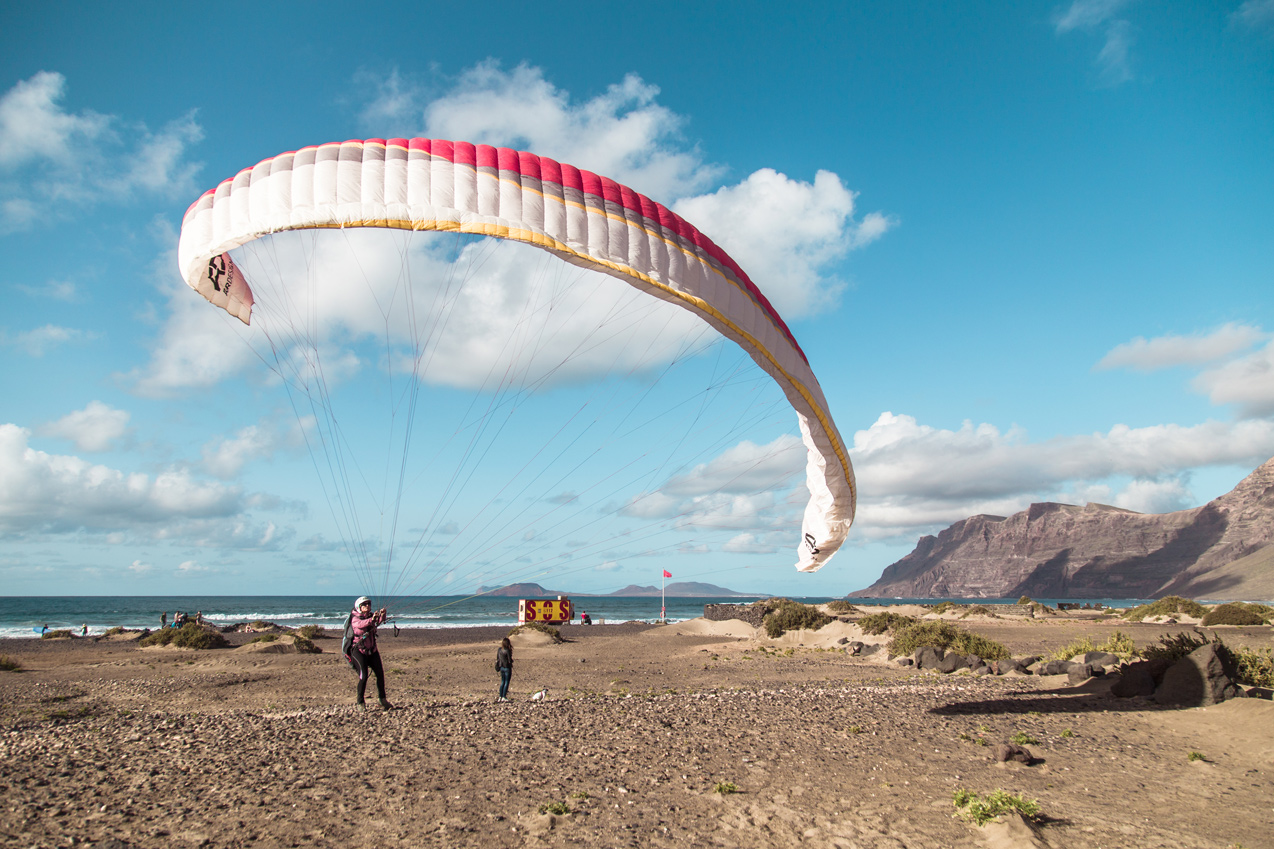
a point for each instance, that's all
(696, 733)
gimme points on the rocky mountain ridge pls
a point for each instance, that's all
(1222, 550)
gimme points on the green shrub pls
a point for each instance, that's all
(879, 623)
(261, 625)
(309, 632)
(1118, 643)
(942, 608)
(1255, 666)
(189, 636)
(1021, 738)
(1167, 606)
(725, 788)
(840, 605)
(305, 646)
(943, 635)
(790, 615)
(264, 638)
(1233, 614)
(972, 807)
(9, 664)
(53, 635)
(110, 632)
(541, 627)
(1026, 599)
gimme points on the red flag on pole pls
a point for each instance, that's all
(667, 574)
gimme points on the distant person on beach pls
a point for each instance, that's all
(199, 617)
(585, 619)
(163, 620)
(504, 665)
(45, 629)
(84, 630)
(363, 653)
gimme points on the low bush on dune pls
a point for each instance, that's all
(310, 632)
(1173, 647)
(1169, 605)
(788, 615)
(1236, 613)
(943, 607)
(8, 664)
(305, 646)
(110, 632)
(264, 638)
(53, 635)
(189, 636)
(1026, 599)
(841, 606)
(879, 623)
(980, 610)
(541, 627)
(943, 635)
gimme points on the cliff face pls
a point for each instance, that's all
(1096, 551)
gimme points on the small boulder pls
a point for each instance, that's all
(1006, 665)
(1054, 667)
(1078, 673)
(928, 657)
(952, 662)
(1097, 658)
(905, 661)
(1006, 752)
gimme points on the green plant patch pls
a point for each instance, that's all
(190, 636)
(559, 808)
(943, 635)
(943, 607)
(840, 605)
(541, 627)
(9, 664)
(305, 646)
(980, 610)
(264, 638)
(53, 635)
(972, 807)
(310, 632)
(1254, 667)
(1118, 643)
(790, 615)
(1021, 738)
(878, 623)
(725, 788)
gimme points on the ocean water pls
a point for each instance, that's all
(24, 616)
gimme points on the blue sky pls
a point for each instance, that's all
(1027, 249)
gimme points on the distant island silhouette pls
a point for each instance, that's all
(679, 589)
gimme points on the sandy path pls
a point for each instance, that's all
(108, 744)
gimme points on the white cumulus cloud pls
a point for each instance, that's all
(94, 428)
(1161, 352)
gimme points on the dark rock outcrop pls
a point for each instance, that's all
(1200, 678)
(1097, 551)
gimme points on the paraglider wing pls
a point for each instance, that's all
(586, 219)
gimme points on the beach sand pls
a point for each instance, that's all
(107, 744)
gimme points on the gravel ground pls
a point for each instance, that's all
(649, 737)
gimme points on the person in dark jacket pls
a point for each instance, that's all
(365, 655)
(504, 665)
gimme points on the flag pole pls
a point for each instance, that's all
(662, 608)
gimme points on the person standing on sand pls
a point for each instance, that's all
(163, 620)
(504, 665)
(365, 655)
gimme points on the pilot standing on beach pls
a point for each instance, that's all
(365, 655)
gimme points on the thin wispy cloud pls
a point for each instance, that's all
(1101, 18)
(1255, 15)
(54, 162)
(1197, 349)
